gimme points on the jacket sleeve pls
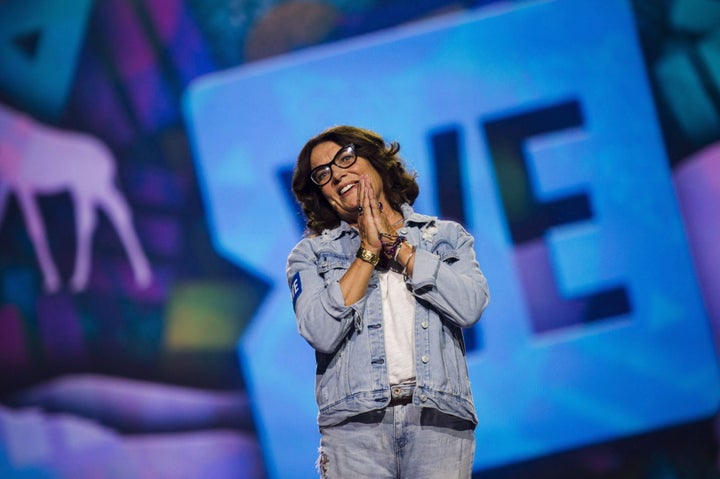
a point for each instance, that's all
(450, 279)
(322, 317)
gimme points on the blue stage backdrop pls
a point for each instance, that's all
(532, 124)
(146, 150)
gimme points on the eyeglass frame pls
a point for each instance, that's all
(329, 164)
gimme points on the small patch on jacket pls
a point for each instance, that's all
(295, 288)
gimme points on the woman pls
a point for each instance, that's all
(381, 293)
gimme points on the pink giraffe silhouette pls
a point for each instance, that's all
(36, 159)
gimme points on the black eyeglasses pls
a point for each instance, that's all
(345, 158)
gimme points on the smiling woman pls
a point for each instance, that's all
(343, 190)
(382, 294)
(368, 149)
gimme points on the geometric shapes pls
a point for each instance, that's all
(38, 444)
(25, 437)
(697, 181)
(28, 43)
(39, 45)
(529, 218)
(446, 148)
(290, 26)
(14, 354)
(138, 407)
(61, 333)
(164, 234)
(205, 315)
(695, 16)
(683, 82)
(549, 309)
(19, 283)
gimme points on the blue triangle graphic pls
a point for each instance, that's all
(39, 46)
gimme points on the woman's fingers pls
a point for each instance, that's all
(363, 212)
(369, 217)
(382, 225)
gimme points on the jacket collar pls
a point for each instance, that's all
(416, 218)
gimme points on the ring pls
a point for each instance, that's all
(360, 210)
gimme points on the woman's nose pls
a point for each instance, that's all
(337, 174)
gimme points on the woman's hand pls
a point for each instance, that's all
(371, 218)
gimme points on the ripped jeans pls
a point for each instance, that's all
(400, 441)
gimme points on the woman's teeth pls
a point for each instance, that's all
(346, 188)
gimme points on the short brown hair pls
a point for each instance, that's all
(399, 184)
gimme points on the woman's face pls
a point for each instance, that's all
(342, 189)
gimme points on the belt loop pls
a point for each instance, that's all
(401, 394)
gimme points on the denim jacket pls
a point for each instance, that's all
(451, 293)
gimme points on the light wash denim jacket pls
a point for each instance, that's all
(451, 293)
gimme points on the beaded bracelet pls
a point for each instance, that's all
(387, 235)
(391, 250)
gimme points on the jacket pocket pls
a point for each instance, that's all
(331, 266)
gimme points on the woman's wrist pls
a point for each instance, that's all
(406, 258)
(373, 248)
(391, 245)
(367, 256)
(404, 254)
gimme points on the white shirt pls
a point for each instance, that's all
(398, 323)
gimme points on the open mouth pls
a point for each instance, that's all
(346, 188)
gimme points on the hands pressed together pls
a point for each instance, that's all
(377, 233)
(372, 221)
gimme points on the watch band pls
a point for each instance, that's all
(368, 256)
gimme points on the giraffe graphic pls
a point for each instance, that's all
(35, 160)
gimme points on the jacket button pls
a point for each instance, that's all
(424, 324)
(425, 359)
(423, 397)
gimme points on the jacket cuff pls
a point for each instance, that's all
(335, 305)
(425, 270)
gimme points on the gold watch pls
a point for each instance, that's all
(368, 256)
